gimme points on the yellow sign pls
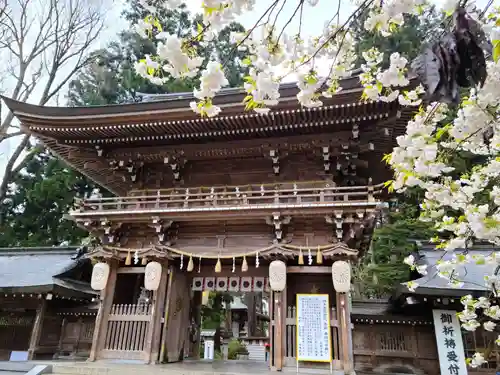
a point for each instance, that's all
(204, 297)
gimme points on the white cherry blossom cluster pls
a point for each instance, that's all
(386, 16)
(386, 85)
(463, 204)
(466, 204)
(211, 81)
(475, 311)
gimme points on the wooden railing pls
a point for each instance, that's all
(126, 333)
(297, 194)
(291, 335)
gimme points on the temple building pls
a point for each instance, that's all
(45, 303)
(213, 202)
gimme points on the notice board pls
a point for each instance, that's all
(314, 342)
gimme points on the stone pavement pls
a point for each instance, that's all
(181, 368)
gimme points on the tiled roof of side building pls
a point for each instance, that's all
(40, 269)
(470, 273)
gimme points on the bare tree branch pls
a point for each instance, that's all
(6, 136)
(47, 42)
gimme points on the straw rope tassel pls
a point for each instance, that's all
(319, 256)
(301, 257)
(144, 261)
(218, 266)
(128, 259)
(244, 265)
(190, 266)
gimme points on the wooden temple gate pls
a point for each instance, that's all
(240, 188)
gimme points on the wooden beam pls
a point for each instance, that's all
(209, 271)
(194, 151)
(309, 269)
(37, 329)
(131, 270)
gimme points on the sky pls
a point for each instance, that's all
(314, 19)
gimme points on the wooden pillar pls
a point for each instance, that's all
(101, 320)
(158, 304)
(37, 328)
(344, 317)
(61, 337)
(195, 347)
(279, 340)
(163, 346)
(175, 331)
(272, 320)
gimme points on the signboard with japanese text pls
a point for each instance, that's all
(449, 342)
(313, 328)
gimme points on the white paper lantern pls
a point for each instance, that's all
(277, 275)
(100, 275)
(341, 276)
(152, 276)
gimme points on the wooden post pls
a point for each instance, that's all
(154, 332)
(195, 349)
(61, 337)
(178, 317)
(344, 316)
(272, 324)
(279, 328)
(278, 331)
(163, 346)
(37, 329)
(101, 320)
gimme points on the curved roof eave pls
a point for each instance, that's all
(176, 102)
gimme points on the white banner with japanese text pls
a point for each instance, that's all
(313, 328)
(449, 342)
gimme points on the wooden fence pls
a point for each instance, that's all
(126, 333)
(291, 336)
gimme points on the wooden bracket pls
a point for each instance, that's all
(277, 221)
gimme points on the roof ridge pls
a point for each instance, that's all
(49, 250)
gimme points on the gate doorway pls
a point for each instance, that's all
(129, 319)
(234, 313)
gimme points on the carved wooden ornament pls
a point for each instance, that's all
(152, 276)
(341, 276)
(277, 275)
(100, 275)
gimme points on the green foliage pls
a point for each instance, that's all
(235, 348)
(38, 199)
(218, 356)
(383, 269)
(213, 313)
(407, 40)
